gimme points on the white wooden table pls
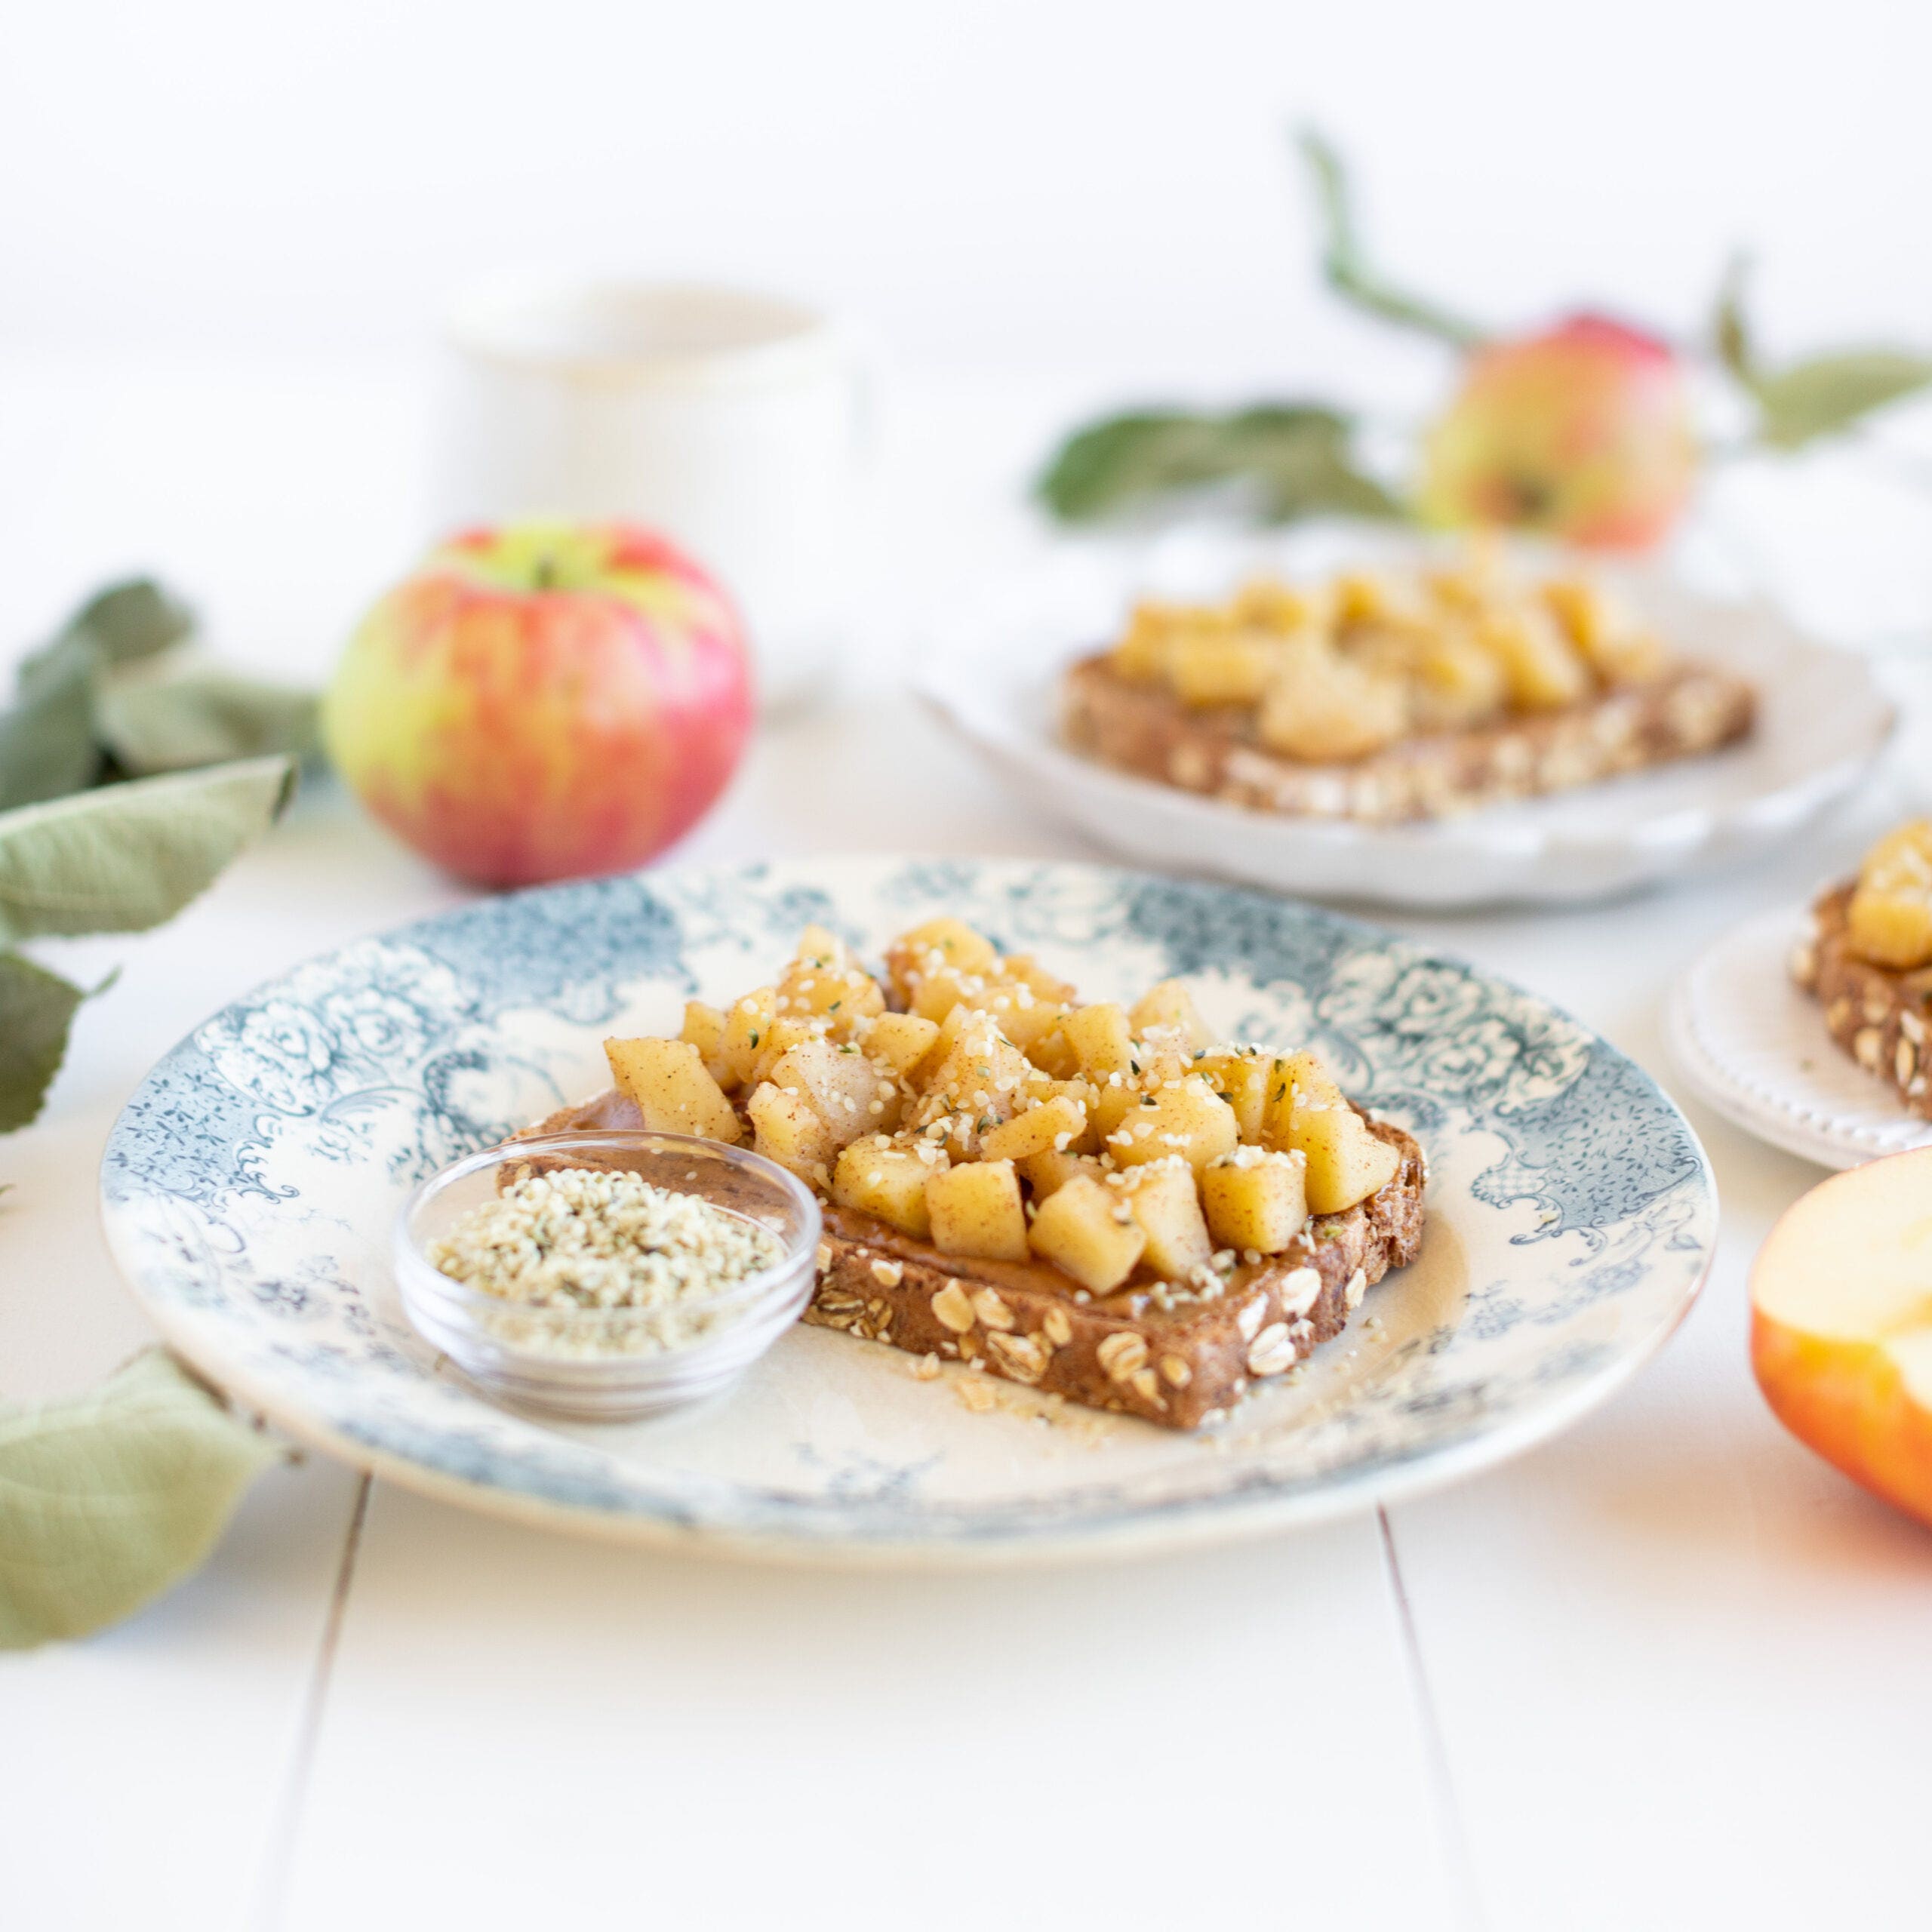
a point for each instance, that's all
(1668, 1671)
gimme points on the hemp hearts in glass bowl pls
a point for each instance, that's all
(606, 1274)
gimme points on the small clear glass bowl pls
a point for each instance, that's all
(609, 1365)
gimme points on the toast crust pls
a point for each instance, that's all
(1144, 728)
(1179, 1365)
(1880, 1017)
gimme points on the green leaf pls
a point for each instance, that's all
(110, 1498)
(1121, 459)
(37, 1011)
(157, 717)
(1730, 334)
(1832, 392)
(47, 743)
(1350, 276)
(1300, 458)
(47, 747)
(1292, 458)
(119, 625)
(125, 858)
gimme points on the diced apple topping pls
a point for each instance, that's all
(1170, 1007)
(1346, 1162)
(1089, 1231)
(977, 1210)
(1052, 1126)
(1335, 673)
(1324, 707)
(1890, 921)
(880, 1177)
(787, 1128)
(704, 1029)
(1187, 1118)
(969, 1099)
(1166, 1204)
(674, 1092)
(1255, 1197)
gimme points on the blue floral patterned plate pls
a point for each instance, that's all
(249, 1188)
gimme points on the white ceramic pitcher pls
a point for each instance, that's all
(726, 419)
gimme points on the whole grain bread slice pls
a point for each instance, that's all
(1144, 728)
(1155, 1350)
(1881, 1018)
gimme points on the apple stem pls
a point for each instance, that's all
(547, 573)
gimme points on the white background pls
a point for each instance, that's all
(1085, 203)
(1008, 182)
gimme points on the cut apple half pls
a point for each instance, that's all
(1841, 1325)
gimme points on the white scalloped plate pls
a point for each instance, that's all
(1756, 1048)
(993, 675)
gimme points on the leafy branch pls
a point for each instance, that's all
(1283, 461)
(1347, 273)
(1289, 460)
(120, 692)
(1823, 395)
(110, 1497)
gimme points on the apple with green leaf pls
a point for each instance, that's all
(544, 701)
(1581, 433)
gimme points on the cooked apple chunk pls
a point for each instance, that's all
(1167, 1204)
(1101, 1039)
(1256, 1198)
(1047, 1172)
(1543, 670)
(1346, 1163)
(1056, 1123)
(825, 987)
(1027, 971)
(976, 1210)
(704, 1029)
(1232, 668)
(982, 1075)
(1242, 1080)
(879, 1176)
(787, 1128)
(903, 1041)
(844, 1087)
(1889, 921)
(938, 946)
(1171, 1005)
(1454, 682)
(1322, 707)
(1088, 1231)
(675, 1094)
(1188, 1119)
(747, 1028)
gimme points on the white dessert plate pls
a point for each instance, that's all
(1755, 1047)
(993, 670)
(249, 1188)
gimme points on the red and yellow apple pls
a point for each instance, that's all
(1583, 432)
(1841, 1325)
(544, 701)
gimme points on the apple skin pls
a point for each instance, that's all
(1583, 433)
(1850, 1397)
(544, 701)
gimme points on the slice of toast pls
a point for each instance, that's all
(1879, 1016)
(1143, 727)
(1154, 1350)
